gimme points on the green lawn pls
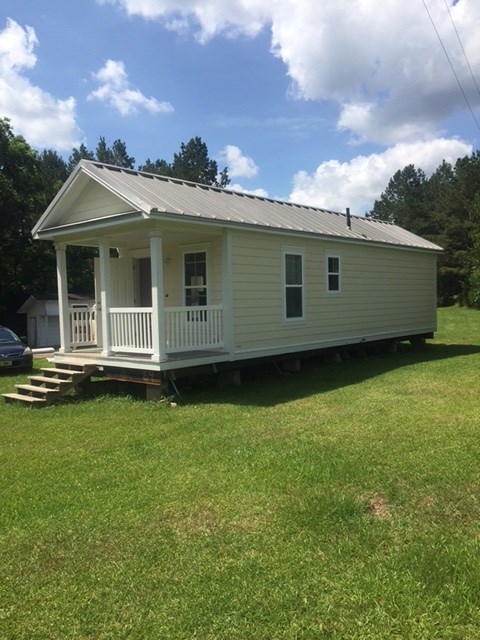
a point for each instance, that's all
(339, 502)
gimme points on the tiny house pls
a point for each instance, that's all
(190, 275)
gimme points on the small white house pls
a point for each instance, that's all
(203, 275)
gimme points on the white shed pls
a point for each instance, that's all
(203, 275)
(43, 326)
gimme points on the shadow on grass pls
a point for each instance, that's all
(267, 385)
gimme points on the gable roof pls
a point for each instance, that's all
(146, 195)
(36, 298)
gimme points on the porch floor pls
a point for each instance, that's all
(177, 360)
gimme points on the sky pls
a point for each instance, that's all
(317, 102)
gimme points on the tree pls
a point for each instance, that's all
(82, 153)
(116, 154)
(404, 202)
(27, 266)
(54, 172)
(446, 210)
(192, 163)
(160, 167)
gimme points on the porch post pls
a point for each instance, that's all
(105, 296)
(63, 313)
(227, 286)
(158, 309)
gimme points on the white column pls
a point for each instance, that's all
(105, 295)
(158, 309)
(63, 313)
(227, 286)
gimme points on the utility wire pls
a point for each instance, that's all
(451, 65)
(461, 45)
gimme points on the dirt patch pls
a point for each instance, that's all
(377, 506)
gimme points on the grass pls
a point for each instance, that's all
(339, 502)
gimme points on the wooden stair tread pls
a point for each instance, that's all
(64, 372)
(49, 380)
(22, 398)
(35, 389)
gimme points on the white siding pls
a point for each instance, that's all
(96, 202)
(383, 292)
(173, 270)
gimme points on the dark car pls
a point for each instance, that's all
(14, 354)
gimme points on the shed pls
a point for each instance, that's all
(43, 327)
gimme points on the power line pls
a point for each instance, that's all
(461, 45)
(451, 65)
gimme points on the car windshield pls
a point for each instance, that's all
(7, 336)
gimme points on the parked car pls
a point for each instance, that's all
(14, 353)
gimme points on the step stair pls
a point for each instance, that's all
(53, 384)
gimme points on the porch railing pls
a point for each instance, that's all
(131, 329)
(82, 326)
(186, 329)
(191, 328)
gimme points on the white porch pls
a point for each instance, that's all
(131, 329)
(121, 327)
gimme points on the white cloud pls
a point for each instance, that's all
(115, 89)
(206, 19)
(385, 69)
(356, 184)
(239, 166)
(42, 119)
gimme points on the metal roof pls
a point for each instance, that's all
(156, 195)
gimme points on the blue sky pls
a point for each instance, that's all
(314, 102)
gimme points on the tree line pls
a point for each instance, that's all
(445, 209)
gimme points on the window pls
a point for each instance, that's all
(195, 279)
(293, 285)
(333, 274)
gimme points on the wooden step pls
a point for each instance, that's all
(49, 380)
(20, 397)
(62, 372)
(34, 389)
(53, 384)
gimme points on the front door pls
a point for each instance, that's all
(144, 282)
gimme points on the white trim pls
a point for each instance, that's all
(227, 291)
(337, 256)
(63, 313)
(158, 317)
(105, 295)
(196, 248)
(294, 251)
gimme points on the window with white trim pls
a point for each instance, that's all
(293, 265)
(195, 278)
(333, 274)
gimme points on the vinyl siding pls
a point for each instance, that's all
(383, 292)
(173, 270)
(96, 202)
